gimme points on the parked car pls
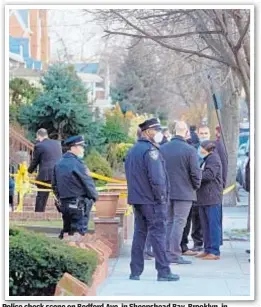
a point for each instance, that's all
(243, 138)
(243, 154)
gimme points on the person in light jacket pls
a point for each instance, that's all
(209, 200)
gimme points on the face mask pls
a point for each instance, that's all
(202, 156)
(80, 156)
(203, 139)
(158, 137)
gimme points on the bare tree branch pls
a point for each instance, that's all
(163, 36)
(203, 55)
(246, 46)
(163, 14)
(243, 34)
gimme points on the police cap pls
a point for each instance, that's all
(74, 141)
(151, 123)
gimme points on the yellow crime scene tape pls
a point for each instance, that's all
(108, 179)
(23, 186)
(229, 189)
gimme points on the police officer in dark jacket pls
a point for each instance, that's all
(46, 153)
(74, 188)
(148, 189)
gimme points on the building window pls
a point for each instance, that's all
(21, 50)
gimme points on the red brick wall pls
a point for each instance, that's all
(110, 230)
(34, 216)
(15, 28)
(34, 29)
(44, 37)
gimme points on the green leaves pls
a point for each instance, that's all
(36, 263)
(21, 91)
(62, 108)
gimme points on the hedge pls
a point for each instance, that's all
(37, 263)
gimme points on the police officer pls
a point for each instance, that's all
(74, 188)
(148, 189)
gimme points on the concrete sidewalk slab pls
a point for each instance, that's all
(229, 276)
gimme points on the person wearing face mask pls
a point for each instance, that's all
(166, 136)
(209, 200)
(46, 153)
(148, 190)
(74, 188)
(148, 252)
(194, 219)
(185, 178)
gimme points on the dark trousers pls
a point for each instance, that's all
(221, 221)
(41, 198)
(186, 231)
(196, 232)
(11, 201)
(148, 246)
(152, 219)
(75, 220)
(210, 217)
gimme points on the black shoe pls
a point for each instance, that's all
(150, 254)
(169, 277)
(184, 248)
(248, 251)
(197, 248)
(134, 277)
(147, 257)
(180, 260)
(61, 235)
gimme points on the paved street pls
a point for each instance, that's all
(230, 276)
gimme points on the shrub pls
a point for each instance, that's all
(37, 263)
(122, 150)
(116, 126)
(98, 164)
(116, 154)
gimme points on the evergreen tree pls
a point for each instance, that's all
(62, 108)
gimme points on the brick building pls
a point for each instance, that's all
(28, 37)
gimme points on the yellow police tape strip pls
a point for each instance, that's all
(24, 180)
(97, 176)
(229, 189)
(108, 179)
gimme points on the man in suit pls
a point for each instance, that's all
(46, 154)
(185, 177)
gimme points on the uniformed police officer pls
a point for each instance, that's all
(148, 189)
(74, 188)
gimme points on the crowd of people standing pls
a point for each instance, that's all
(174, 183)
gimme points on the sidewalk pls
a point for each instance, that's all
(229, 276)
